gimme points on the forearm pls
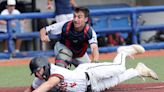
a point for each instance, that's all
(95, 52)
(43, 32)
(43, 88)
(46, 86)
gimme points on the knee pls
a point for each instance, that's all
(61, 63)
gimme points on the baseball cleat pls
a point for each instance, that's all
(144, 71)
(131, 49)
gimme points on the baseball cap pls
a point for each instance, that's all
(11, 2)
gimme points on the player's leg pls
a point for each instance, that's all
(107, 83)
(120, 58)
(18, 45)
(124, 51)
(132, 49)
(84, 59)
(63, 55)
(144, 71)
(141, 70)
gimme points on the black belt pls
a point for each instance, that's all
(87, 76)
(89, 86)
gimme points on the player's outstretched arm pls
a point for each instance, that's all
(49, 84)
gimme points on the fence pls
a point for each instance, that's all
(134, 28)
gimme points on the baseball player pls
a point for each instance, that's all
(75, 36)
(98, 76)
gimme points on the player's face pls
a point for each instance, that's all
(79, 20)
(39, 73)
(10, 8)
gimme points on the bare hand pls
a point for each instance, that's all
(49, 4)
(43, 35)
(45, 38)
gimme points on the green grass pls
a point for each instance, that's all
(15, 76)
(155, 63)
(12, 76)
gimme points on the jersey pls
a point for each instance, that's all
(74, 81)
(77, 42)
(6, 12)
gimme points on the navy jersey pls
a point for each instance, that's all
(63, 7)
(76, 41)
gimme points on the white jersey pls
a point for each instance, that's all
(75, 81)
(6, 12)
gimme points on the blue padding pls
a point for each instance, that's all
(4, 55)
(114, 30)
(26, 35)
(109, 6)
(158, 27)
(105, 49)
(151, 46)
(29, 15)
(4, 36)
(33, 54)
(100, 22)
(110, 21)
(114, 48)
(119, 21)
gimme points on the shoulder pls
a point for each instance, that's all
(91, 31)
(66, 25)
(16, 11)
(4, 12)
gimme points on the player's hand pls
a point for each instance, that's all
(62, 87)
(43, 35)
(45, 38)
(49, 5)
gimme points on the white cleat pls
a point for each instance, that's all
(144, 71)
(131, 49)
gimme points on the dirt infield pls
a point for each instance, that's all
(149, 87)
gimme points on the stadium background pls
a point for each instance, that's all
(133, 3)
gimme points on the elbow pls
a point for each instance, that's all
(42, 29)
